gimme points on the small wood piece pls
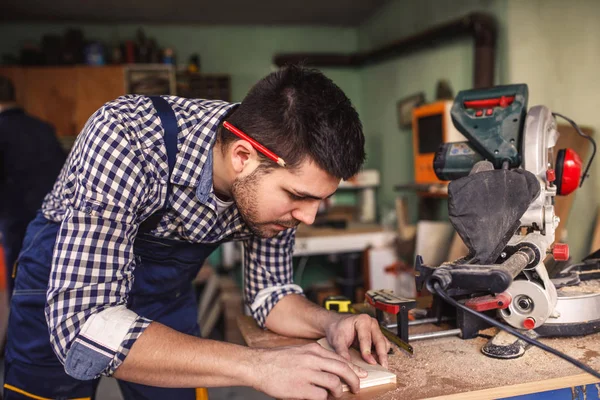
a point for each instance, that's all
(378, 375)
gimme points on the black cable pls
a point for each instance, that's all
(514, 332)
(588, 137)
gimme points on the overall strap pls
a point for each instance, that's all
(169, 124)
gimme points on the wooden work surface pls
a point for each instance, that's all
(352, 229)
(456, 369)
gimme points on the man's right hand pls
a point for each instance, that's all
(305, 372)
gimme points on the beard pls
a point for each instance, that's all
(244, 196)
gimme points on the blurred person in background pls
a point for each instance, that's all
(30, 159)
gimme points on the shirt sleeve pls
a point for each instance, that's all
(268, 272)
(91, 328)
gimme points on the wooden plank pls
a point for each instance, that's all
(523, 388)
(377, 375)
(352, 229)
(456, 369)
(96, 86)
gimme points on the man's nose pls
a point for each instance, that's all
(306, 212)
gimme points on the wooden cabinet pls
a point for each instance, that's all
(50, 95)
(17, 76)
(96, 86)
(65, 96)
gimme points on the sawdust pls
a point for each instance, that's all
(452, 365)
(584, 287)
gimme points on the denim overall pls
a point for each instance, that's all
(162, 291)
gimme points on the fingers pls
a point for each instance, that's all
(320, 351)
(343, 370)
(382, 346)
(340, 348)
(364, 331)
(316, 393)
(330, 382)
(362, 374)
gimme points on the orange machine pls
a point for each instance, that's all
(432, 126)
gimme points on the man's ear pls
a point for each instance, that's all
(243, 156)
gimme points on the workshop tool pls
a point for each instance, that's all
(501, 202)
(338, 303)
(385, 301)
(377, 299)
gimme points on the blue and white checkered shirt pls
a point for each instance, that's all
(114, 178)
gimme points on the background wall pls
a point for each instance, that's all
(551, 45)
(386, 83)
(554, 47)
(243, 52)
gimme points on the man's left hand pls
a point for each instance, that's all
(348, 329)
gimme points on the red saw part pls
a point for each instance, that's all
(485, 303)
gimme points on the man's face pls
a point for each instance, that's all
(275, 200)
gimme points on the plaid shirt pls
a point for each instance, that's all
(114, 178)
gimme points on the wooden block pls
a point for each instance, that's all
(378, 375)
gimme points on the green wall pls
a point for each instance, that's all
(555, 48)
(244, 52)
(384, 84)
(549, 44)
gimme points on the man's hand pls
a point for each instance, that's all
(345, 330)
(306, 372)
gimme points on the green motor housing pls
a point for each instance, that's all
(492, 120)
(455, 160)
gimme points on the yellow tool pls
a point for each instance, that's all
(338, 303)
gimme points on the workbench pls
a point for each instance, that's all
(355, 238)
(452, 368)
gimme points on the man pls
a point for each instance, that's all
(30, 160)
(152, 186)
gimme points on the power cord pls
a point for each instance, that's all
(440, 292)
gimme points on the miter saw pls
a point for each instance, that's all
(503, 182)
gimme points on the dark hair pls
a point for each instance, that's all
(297, 113)
(7, 90)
